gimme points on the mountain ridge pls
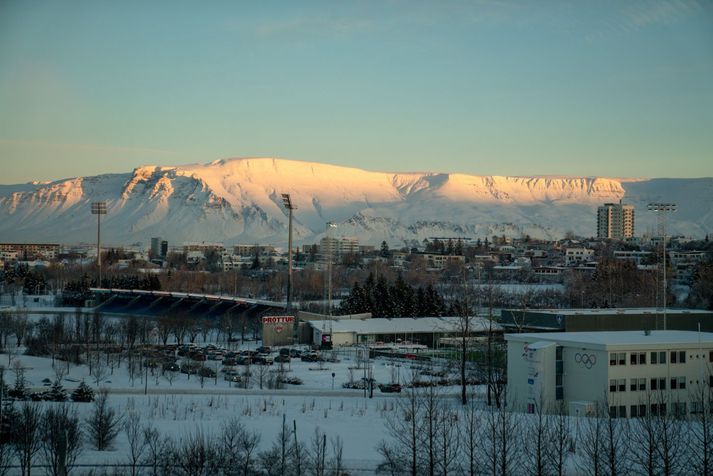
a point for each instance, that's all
(239, 200)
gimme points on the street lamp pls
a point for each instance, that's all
(661, 210)
(287, 202)
(99, 209)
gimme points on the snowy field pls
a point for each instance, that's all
(185, 404)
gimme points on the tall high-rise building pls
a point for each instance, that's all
(156, 247)
(615, 221)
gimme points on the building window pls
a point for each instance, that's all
(642, 384)
(682, 357)
(622, 358)
(634, 385)
(710, 356)
(612, 358)
(678, 383)
(674, 354)
(621, 385)
(612, 384)
(658, 384)
(654, 356)
(662, 357)
(679, 409)
(637, 358)
(697, 407)
(634, 411)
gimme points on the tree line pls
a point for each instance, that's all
(55, 438)
(428, 434)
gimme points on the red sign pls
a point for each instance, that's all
(277, 319)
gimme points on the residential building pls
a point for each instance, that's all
(632, 372)
(615, 221)
(30, 251)
(577, 256)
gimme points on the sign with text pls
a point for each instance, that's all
(277, 330)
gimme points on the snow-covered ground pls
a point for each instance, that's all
(186, 404)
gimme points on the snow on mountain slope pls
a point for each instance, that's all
(239, 200)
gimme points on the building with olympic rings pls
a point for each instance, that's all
(632, 373)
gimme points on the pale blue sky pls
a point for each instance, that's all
(506, 88)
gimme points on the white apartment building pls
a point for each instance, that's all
(634, 371)
(576, 256)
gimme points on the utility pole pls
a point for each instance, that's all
(661, 210)
(99, 209)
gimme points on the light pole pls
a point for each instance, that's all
(99, 209)
(661, 210)
(287, 202)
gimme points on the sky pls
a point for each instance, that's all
(605, 88)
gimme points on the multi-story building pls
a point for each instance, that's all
(615, 221)
(30, 251)
(576, 256)
(631, 372)
(337, 247)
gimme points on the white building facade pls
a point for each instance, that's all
(634, 372)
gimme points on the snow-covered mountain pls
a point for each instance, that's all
(238, 201)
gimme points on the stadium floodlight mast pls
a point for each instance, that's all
(661, 210)
(99, 209)
(287, 202)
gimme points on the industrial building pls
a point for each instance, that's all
(428, 331)
(606, 319)
(634, 372)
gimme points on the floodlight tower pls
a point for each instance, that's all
(99, 209)
(661, 210)
(287, 202)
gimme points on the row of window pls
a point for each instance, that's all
(639, 384)
(637, 411)
(639, 358)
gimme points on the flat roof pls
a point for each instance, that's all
(612, 310)
(405, 325)
(607, 339)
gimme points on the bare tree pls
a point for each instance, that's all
(103, 423)
(701, 431)
(337, 464)
(536, 441)
(158, 451)
(134, 434)
(402, 453)
(27, 434)
(61, 439)
(591, 444)
(447, 440)
(500, 448)
(275, 461)
(318, 452)
(470, 435)
(559, 437)
(196, 454)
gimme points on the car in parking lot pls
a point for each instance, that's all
(390, 388)
(282, 358)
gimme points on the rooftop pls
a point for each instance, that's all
(405, 325)
(618, 338)
(613, 310)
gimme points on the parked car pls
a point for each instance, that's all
(263, 349)
(171, 367)
(390, 388)
(282, 358)
(206, 372)
(262, 359)
(230, 361)
(311, 357)
(232, 378)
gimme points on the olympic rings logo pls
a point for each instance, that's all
(586, 360)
